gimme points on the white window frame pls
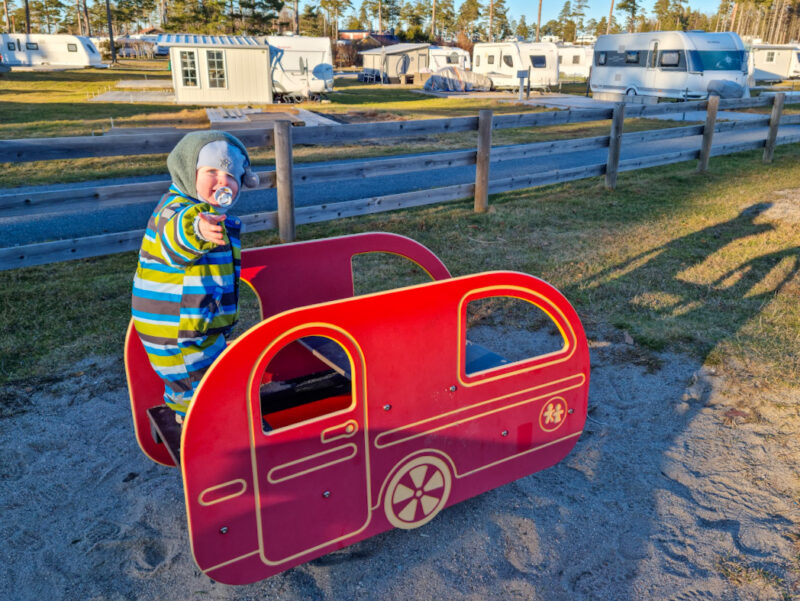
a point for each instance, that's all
(770, 56)
(72, 47)
(196, 69)
(222, 55)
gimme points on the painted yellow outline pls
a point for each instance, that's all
(545, 405)
(272, 479)
(581, 379)
(255, 375)
(525, 364)
(348, 428)
(216, 487)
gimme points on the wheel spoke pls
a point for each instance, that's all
(428, 503)
(409, 512)
(418, 475)
(402, 493)
(436, 481)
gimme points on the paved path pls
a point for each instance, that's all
(52, 223)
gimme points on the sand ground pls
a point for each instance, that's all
(682, 487)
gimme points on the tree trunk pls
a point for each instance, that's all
(539, 20)
(433, 21)
(111, 35)
(610, 15)
(491, 20)
(380, 16)
(5, 9)
(86, 19)
(27, 17)
(296, 18)
(733, 16)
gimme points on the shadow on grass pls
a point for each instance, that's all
(20, 112)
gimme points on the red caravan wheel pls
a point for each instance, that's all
(417, 492)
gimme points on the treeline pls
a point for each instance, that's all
(775, 21)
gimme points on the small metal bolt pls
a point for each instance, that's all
(223, 530)
(504, 433)
(387, 407)
(570, 411)
(453, 388)
(326, 494)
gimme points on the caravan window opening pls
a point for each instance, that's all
(452, 59)
(72, 47)
(672, 60)
(632, 57)
(717, 60)
(560, 60)
(770, 57)
(11, 46)
(477, 60)
(654, 55)
(90, 48)
(216, 69)
(602, 57)
(508, 60)
(576, 59)
(490, 60)
(189, 68)
(31, 46)
(538, 61)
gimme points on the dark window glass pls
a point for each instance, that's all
(670, 58)
(11, 46)
(508, 61)
(72, 47)
(632, 57)
(601, 58)
(31, 45)
(491, 59)
(539, 61)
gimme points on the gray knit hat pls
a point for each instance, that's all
(182, 161)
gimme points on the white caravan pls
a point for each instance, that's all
(301, 66)
(440, 57)
(502, 61)
(55, 50)
(574, 61)
(669, 64)
(775, 62)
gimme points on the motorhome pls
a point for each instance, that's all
(774, 62)
(301, 66)
(502, 62)
(448, 56)
(54, 50)
(669, 64)
(574, 61)
(395, 63)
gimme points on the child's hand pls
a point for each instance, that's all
(209, 227)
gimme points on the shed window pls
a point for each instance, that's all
(491, 59)
(770, 57)
(508, 60)
(216, 69)
(189, 68)
(72, 47)
(602, 57)
(576, 59)
(632, 57)
(11, 46)
(538, 61)
(31, 45)
(670, 58)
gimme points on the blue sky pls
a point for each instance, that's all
(597, 8)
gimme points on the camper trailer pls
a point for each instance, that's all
(574, 61)
(55, 50)
(669, 64)
(775, 62)
(447, 56)
(502, 61)
(302, 67)
(395, 63)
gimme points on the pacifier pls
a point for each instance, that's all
(223, 196)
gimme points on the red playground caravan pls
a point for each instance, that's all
(338, 417)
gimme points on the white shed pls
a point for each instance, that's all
(391, 63)
(574, 61)
(56, 50)
(775, 62)
(219, 69)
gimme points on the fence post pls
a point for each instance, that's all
(614, 144)
(708, 133)
(482, 161)
(283, 180)
(774, 121)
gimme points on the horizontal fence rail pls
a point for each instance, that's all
(89, 197)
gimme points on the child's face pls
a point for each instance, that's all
(209, 180)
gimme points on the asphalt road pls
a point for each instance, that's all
(53, 222)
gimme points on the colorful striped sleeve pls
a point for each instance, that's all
(180, 243)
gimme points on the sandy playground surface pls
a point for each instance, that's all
(674, 491)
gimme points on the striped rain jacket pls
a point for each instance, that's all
(185, 294)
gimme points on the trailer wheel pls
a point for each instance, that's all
(417, 492)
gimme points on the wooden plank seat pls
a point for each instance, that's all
(329, 352)
(166, 430)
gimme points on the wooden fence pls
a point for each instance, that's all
(287, 174)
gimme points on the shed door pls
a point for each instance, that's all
(311, 473)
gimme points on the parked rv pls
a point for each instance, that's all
(301, 66)
(669, 64)
(502, 61)
(574, 61)
(392, 64)
(56, 50)
(775, 62)
(448, 56)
